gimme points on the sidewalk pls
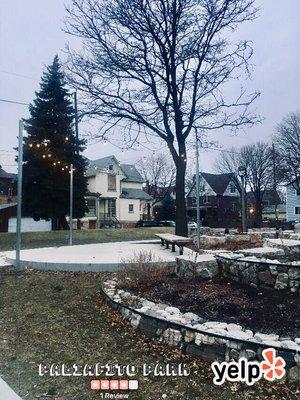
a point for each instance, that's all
(6, 393)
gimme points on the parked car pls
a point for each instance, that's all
(167, 223)
(146, 224)
(192, 224)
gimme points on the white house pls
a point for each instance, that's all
(116, 194)
(292, 202)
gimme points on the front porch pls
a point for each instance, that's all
(102, 212)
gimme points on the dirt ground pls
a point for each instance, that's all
(48, 317)
(220, 300)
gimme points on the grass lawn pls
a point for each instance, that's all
(32, 240)
(48, 317)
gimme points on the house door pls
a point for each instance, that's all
(112, 209)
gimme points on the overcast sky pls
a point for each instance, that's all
(31, 34)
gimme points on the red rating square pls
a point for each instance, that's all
(114, 385)
(95, 385)
(123, 385)
(104, 384)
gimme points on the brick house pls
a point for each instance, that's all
(8, 187)
(219, 200)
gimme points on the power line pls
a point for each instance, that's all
(124, 127)
(19, 75)
(14, 102)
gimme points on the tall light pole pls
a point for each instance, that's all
(242, 174)
(19, 198)
(197, 192)
(71, 207)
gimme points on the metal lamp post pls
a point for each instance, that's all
(197, 193)
(242, 174)
(71, 207)
(19, 201)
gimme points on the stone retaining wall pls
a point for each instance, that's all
(259, 273)
(197, 337)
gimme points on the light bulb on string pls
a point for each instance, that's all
(38, 145)
(44, 156)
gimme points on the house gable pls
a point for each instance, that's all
(215, 184)
(232, 189)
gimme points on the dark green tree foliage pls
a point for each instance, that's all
(167, 209)
(49, 149)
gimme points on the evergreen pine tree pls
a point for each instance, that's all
(167, 209)
(49, 149)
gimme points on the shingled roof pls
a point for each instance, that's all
(219, 182)
(128, 193)
(129, 170)
(6, 175)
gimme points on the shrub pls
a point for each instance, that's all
(144, 270)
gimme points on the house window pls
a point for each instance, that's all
(297, 210)
(91, 204)
(112, 207)
(232, 188)
(111, 167)
(206, 199)
(111, 182)
(131, 208)
(233, 207)
(194, 200)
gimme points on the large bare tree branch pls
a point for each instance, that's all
(162, 65)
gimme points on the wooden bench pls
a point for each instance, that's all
(174, 240)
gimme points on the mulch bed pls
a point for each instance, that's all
(264, 311)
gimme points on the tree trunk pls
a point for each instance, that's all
(258, 211)
(63, 224)
(181, 217)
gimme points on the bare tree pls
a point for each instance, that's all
(287, 144)
(257, 158)
(160, 65)
(158, 170)
(228, 161)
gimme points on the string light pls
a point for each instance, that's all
(45, 143)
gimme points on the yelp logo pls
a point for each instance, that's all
(272, 366)
(249, 372)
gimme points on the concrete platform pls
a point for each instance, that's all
(93, 257)
(6, 393)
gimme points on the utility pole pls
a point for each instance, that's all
(275, 181)
(198, 193)
(19, 201)
(76, 118)
(71, 207)
(242, 173)
(77, 137)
